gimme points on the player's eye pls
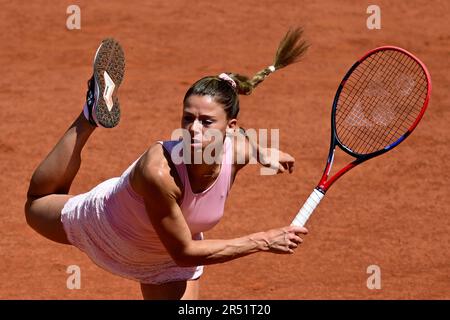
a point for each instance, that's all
(207, 122)
(187, 119)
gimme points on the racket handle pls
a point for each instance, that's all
(308, 208)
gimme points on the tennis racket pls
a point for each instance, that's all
(378, 104)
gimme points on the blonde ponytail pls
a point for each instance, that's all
(291, 48)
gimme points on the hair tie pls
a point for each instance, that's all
(271, 68)
(228, 79)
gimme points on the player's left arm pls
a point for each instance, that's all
(247, 148)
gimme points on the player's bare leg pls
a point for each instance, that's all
(51, 181)
(179, 290)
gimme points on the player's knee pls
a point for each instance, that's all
(28, 209)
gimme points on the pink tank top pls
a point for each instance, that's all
(111, 224)
(203, 210)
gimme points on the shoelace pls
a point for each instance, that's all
(90, 93)
(90, 99)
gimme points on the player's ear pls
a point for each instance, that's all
(231, 125)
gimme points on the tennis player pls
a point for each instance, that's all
(147, 225)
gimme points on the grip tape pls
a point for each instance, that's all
(308, 208)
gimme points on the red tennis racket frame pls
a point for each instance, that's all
(324, 183)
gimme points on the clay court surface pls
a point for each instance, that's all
(392, 211)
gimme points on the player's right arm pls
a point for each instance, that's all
(152, 180)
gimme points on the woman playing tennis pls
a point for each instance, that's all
(148, 224)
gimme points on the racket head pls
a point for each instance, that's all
(379, 102)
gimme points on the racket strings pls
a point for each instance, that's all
(360, 107)
(379, 101)
(383, 114)
(380, 116)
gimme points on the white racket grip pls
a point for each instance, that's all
(308, 208)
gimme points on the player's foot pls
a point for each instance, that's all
(102, 104)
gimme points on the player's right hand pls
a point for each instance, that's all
(284, 240)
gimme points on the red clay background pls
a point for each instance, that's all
(392, 211)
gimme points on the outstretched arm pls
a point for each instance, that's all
(247, 148)
(152, 180)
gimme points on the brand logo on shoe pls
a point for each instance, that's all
(109, 89)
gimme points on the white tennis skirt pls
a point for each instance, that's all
(87, 221)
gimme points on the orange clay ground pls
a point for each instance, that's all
(392, 211)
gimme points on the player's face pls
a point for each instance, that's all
(205, 119)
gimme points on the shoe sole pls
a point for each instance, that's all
(109, 69)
